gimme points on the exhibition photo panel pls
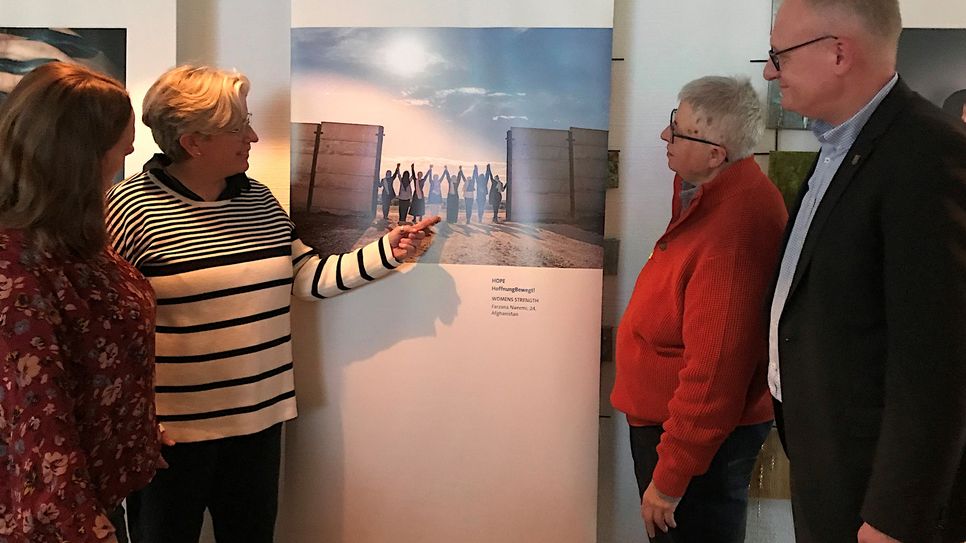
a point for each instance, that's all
(501, 131)
(442, 402)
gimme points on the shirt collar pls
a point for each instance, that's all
(847, 132)
(235, 185)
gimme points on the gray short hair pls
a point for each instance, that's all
(880, 18)
(730, 108)
(190, 99)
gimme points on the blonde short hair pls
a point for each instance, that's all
(730, 108)
(56, 126)
(190, 99)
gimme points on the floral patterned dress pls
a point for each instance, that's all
(77, 425)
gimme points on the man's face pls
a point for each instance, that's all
(804, 77)
(964, 112)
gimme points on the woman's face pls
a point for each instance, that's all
(113, 159)
(688, 158)
(227, 152)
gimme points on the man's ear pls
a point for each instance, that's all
(846, 50)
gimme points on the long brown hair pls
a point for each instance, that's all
(55, 128)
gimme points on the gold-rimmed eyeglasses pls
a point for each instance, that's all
(244, 126)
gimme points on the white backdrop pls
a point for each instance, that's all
(423, 417)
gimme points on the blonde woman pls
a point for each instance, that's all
(224, 260)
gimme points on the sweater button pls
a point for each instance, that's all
(662, 246)
(788, 340)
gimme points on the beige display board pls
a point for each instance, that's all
(456, 400)
(149, 49)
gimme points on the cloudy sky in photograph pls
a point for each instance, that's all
(448, 95)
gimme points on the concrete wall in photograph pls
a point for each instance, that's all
(539, 165)
(590, 175)
(346, 158)
(557, 175)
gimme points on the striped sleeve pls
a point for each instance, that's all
(318, 277)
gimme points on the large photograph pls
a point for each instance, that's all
(24, 48)
(500, 131)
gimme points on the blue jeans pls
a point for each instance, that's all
(714, 507)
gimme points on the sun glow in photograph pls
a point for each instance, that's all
(501, 131)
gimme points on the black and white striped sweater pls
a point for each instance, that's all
(224, 273)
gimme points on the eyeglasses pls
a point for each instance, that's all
(245, 126)
(773, 55)
(672, 126)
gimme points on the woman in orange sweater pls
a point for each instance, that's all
(692, 347)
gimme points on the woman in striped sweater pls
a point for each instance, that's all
(224, 260)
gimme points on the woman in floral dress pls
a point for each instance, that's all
(77, 424)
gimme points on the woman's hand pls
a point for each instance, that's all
(657, 510)
(167, 442)
(404, 240)
(163, 436)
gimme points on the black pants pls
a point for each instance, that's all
(117, 520)
(235, 478)
(714, 508)
(452, 208)
(403, 209)
(386, 200)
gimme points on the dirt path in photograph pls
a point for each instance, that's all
(501, 244)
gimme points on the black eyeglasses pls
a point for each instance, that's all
(671, 125)
(773, 55)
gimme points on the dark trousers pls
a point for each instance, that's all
(714, 507)
(117, 520)
(386, 200)
(403, 209)
(452, 208)
(235, 478)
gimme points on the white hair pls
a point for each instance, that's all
(730, 108)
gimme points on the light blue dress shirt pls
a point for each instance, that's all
(835, 144)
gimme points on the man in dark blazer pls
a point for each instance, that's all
(868, 316)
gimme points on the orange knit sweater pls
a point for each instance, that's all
(692, 347)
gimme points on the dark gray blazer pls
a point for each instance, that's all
(873, 336)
